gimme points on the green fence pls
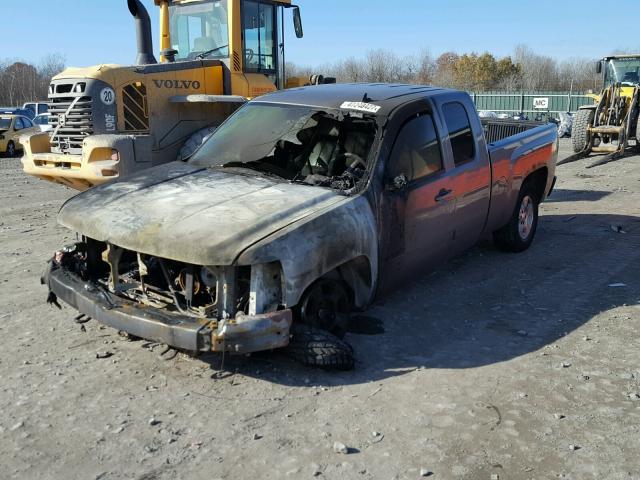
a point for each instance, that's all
(531, 103)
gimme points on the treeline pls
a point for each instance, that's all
(22, 82)
(524, 70)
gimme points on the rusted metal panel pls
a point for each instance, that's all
(248, 334)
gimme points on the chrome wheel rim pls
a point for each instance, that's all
(525, 217)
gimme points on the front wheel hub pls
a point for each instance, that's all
(327, 305)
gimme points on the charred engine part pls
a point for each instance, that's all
(265, 289)
(52, 299)
(82, 318)
(214, 293)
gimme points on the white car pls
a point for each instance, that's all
(42, 121)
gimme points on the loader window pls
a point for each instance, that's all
(200, 29)
(260, 36)
(622, 70)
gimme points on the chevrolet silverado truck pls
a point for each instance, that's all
(305, 205)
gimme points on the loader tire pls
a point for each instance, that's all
(194, 143)
(318, 348)
(11, 150)
(517, 235)
(579, 134)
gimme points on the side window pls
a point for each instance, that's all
(18, 125)
(43, 108)
(460, 134)
(27, 123)
(416, 153)
(260, 36)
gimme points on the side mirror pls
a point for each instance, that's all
(599, 67)
(398, 184)
(297, 22)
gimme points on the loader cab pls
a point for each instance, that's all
(620, 69)
(199, 30)
(247, 35)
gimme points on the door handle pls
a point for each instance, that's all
(443, 194)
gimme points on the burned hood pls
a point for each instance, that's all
(191, 214)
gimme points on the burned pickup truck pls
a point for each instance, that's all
(304, 206)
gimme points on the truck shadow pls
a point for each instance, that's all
(486, 306)
(564, 195)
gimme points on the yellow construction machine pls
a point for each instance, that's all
(109, 120)
(608, 126)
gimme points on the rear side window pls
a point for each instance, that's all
(416, 153)
(43, 108)
(460, 133)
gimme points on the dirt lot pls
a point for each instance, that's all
(496, 366)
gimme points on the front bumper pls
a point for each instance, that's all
(244, 334)
(95, 166)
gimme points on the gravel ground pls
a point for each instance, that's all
(495, 366)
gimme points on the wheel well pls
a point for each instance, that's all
(356, 274)
(538, 180)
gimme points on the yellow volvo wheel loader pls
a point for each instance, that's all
(110, 120)
(608, 126)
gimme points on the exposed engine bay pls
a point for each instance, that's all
(294, 143)
(189, 290)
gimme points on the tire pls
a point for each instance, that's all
(517, 235)
(318, 348)
(579, 133)
(194, 143)
(11, 150)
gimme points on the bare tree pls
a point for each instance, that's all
(525, 70)
(22, 82)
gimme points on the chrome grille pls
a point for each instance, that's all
(72, 121)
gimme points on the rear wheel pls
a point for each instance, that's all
(579, 131)
(11, 150)
(518, 234)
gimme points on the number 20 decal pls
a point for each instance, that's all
(108, 96)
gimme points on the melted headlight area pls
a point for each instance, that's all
(204, 292)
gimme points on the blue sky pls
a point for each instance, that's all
(87, 32)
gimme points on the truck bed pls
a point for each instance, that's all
(499, 129)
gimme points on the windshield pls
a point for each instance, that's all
(5, 123)
(622, 70)
(296, 143)
(200, 30)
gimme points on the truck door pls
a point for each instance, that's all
(416, 205)
(471, 174)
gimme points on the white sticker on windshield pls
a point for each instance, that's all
(361, 107)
